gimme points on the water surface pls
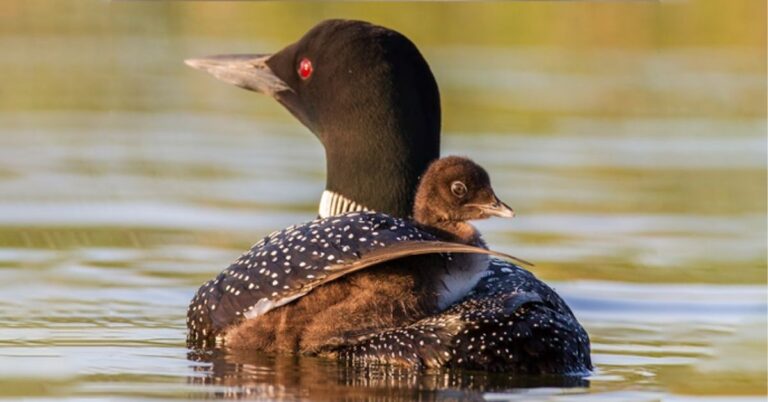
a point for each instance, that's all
(637, 168)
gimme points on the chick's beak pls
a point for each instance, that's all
(497, 208)
(249, 71)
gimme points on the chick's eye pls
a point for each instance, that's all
(305, 68)
(458, 189)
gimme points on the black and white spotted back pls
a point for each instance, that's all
(289, 263)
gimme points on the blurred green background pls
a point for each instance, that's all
(87, 55)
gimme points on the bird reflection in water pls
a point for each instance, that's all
(290, 377)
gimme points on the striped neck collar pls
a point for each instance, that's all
(335, 204)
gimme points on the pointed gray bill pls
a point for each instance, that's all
(496, 208)
(249, 71)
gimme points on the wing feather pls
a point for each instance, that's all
(402, 250)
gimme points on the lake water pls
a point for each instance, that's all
(638, 172)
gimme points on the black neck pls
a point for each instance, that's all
(381, 171)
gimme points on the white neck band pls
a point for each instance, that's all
(335, 204)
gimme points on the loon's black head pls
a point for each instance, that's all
(366, 92)
(456, 189)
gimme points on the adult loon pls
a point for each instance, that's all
(324, 266)
(369, 96)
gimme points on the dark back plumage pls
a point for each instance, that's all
(290, 263)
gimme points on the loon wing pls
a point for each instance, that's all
(397, 251)
(407, 249)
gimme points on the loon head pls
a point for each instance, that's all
(455, 190)
(368, 95)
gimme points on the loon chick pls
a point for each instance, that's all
(369, 96)
(351, 301)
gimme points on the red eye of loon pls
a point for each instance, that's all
(305, 68)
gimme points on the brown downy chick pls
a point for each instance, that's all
(453, 191)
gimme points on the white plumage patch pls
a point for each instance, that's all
(264, 305)
(459, 280)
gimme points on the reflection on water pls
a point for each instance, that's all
(637, 169)
(287, 378)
